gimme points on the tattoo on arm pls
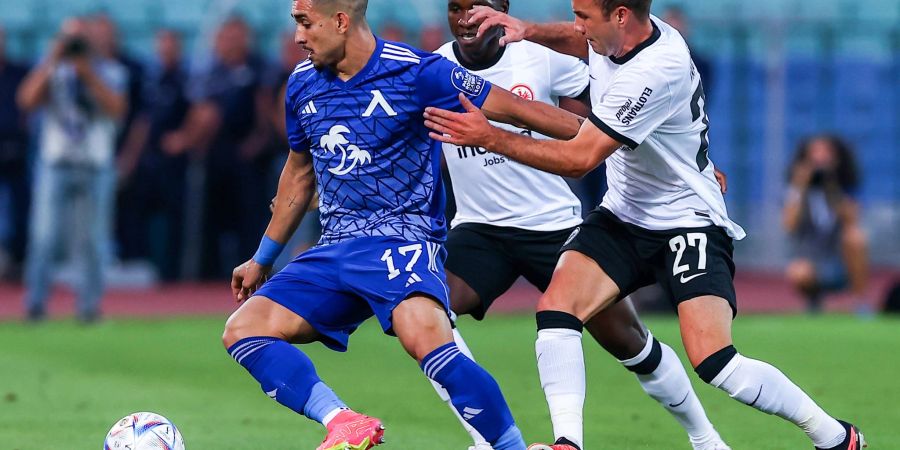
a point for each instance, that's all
(293, 201)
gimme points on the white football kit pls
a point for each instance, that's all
(652, 101)
(494, 190)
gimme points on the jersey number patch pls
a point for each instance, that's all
(679, 244)
(697, 111)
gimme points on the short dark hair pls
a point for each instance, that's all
(641, 8)
(356, 8)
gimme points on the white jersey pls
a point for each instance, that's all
(491, 188)
(652, 100)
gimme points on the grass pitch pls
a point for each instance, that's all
(62, 385)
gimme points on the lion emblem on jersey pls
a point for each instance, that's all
(334, 141)
(523, 90)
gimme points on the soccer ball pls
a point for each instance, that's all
(144, 431)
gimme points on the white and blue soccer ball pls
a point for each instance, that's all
(144, 431)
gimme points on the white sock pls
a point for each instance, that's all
(765, 388)
(670, 386)
(445, 396)
(560, 361)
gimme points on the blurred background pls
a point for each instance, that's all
(178, 112)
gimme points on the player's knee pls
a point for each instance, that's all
(552, 301)
(714, 364)
(801, 274)
(854, 238)
(236, 328)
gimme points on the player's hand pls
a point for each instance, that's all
(723, 180)
(469, 128)
(802, 175)
(514, 29)
(247, 279)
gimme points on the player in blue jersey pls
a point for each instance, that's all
(355, 131)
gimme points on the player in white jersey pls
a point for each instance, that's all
(512, 219)
(663, 218)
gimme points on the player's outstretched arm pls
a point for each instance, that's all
(572, 158)
(296, 187)
(504, 106)
(559, 36)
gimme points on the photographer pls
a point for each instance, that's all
(821, 215)
(81, 94)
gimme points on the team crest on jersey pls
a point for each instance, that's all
(523, 90)
(351, 155)
(467, 82)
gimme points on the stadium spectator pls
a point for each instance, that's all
(152, 180)
(821, 216)
(229, 123)
(13, 165)
(82, 94)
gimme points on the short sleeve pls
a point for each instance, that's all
(569, 76)
(295, 133)
(440, 81)
(635, 104)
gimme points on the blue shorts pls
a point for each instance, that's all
(337, 287)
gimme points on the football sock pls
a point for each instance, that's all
(663, 377)
(475, 395)
(288, 376)
(765, 388)
(477, 439)
(560, 361)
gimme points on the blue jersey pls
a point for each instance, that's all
(377, 169)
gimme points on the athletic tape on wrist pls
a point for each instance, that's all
(267, 252)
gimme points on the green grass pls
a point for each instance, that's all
(62, 386)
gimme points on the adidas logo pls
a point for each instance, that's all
(413, 279)
(470, 413)
(310, 108)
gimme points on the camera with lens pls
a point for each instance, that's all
(74, 47)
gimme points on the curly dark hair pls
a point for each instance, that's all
(847, 170)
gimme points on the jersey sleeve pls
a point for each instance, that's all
(636, 103)
(568, 75)
(440, 81)
(296, 135)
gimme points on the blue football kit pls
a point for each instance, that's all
(378, 176)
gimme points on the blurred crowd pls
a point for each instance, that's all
(107, 159)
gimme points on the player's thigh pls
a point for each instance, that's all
(619, 330)
(705, 326)
(598, 265)
(310, 288)
(537, 252)
(579, 287)
(478, 268)
(696, 263)
(260, 316)
(421, 325)
(404, 286)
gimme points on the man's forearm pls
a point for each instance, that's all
(551, 156)
(296, 188)
(559, 36)
(112, 102)
(538, 116)
(33, 90)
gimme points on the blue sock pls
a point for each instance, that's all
(286, 375)
(476, 396)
